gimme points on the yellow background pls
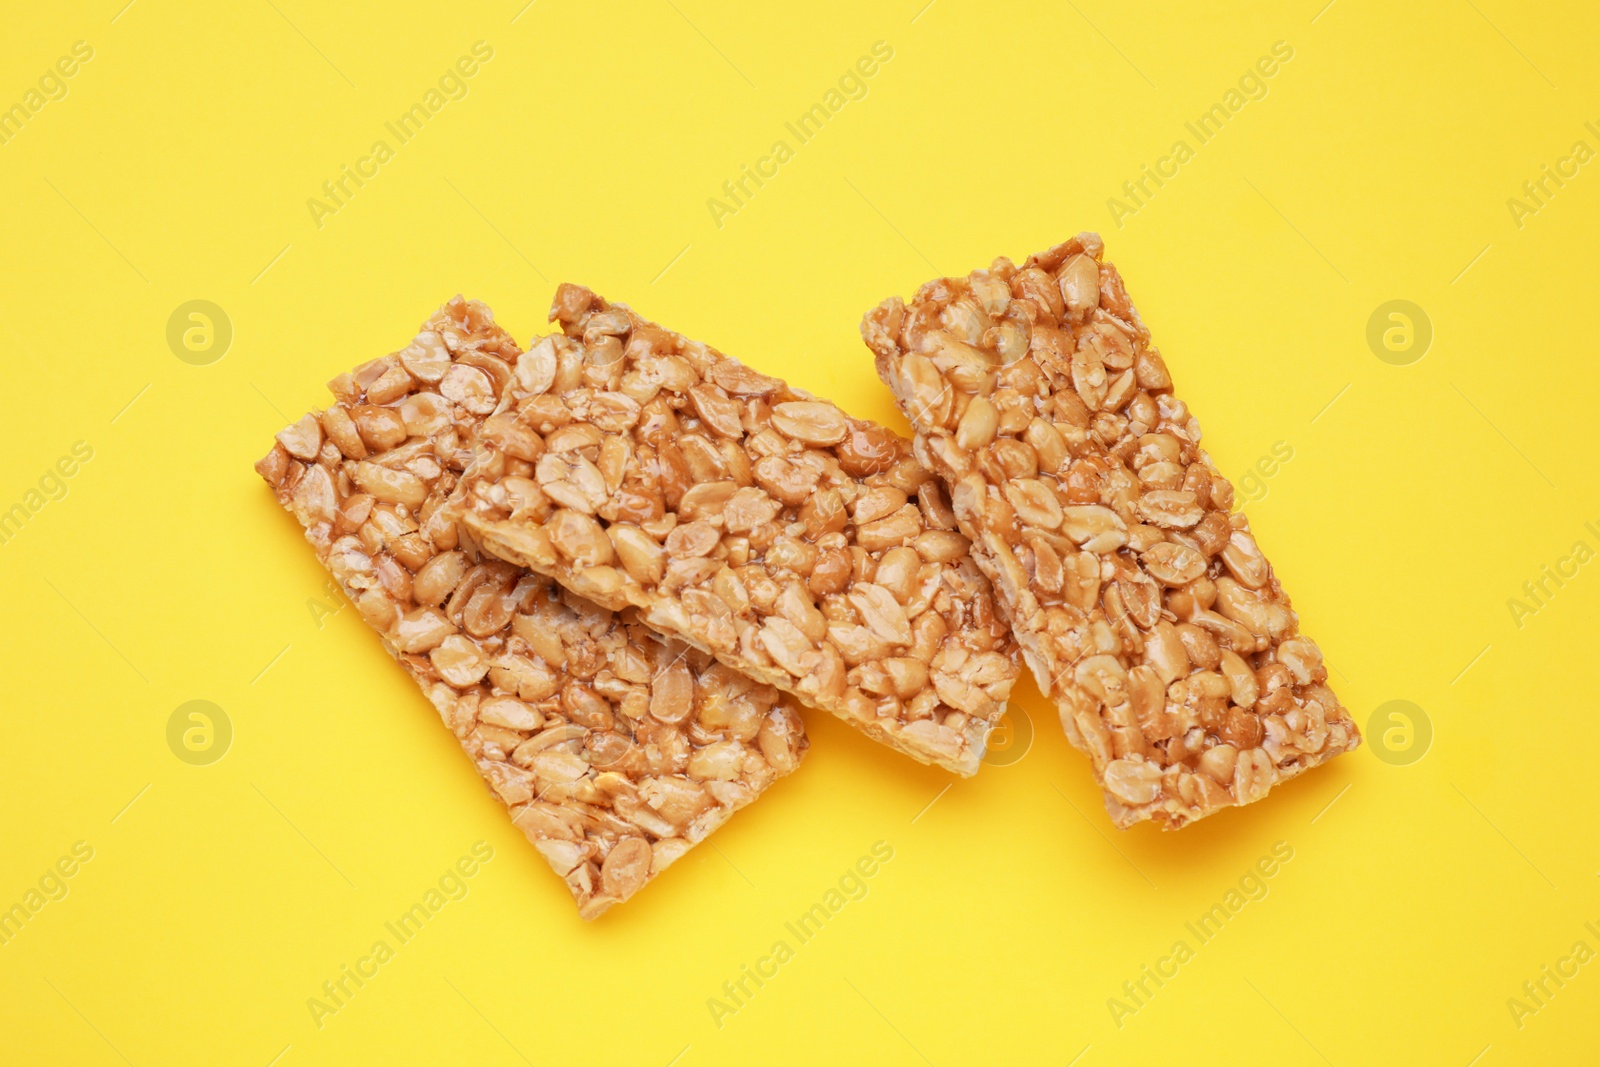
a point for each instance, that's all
(1378, 166)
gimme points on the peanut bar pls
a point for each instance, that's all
(615, 750)
(798, 545)
(1145, 609)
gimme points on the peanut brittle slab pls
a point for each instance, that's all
(1144, 606)
(615, 750)
(803, 547)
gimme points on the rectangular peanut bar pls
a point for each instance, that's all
(798, 545)
(615, 750)
(1145, 609)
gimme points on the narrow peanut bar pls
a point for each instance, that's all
(798, 545)
(615, 750)
(1144, 608)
